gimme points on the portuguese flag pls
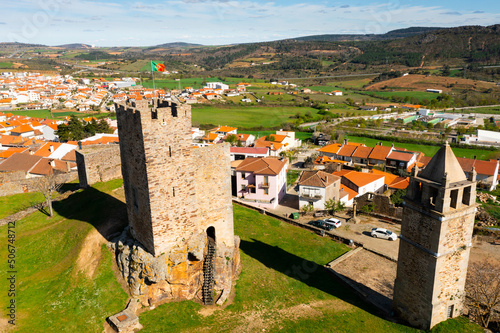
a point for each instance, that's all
(157, 67)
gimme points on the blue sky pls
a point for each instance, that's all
(215, 22)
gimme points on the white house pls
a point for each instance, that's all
(216, 85)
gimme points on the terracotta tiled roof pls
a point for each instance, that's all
(332, 149)
(317, 178)
(388, 177)
(379, 152)
(223, 128)
(361, 179)
(44, 150)
(11, 151)
(351, 193)
(267, 144)
(482, 167)
(22, 129)
(362, 152)
(20, 162)
(70, 156)
(326, 159)
(342, 173)
(248, 150)
(263, 165)
(400, 156)
(347, 150)
(210, 136)
(400, 183)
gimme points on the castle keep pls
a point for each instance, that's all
(179, 207)
(436, 237)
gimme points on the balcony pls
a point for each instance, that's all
(264, 185)
(312, 197)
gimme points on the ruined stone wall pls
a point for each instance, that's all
(16, 182)
(383, 204)
(98, 163)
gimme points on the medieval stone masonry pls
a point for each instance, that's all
(436, 237)
(180, 243)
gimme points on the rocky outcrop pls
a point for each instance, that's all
(175, 275)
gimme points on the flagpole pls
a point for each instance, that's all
(153, 74)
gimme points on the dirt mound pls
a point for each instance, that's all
(90, 254)
(417, 82)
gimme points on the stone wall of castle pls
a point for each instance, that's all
(98, 163)
(16, 182)
(175, 194)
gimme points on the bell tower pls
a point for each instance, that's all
(436, 237)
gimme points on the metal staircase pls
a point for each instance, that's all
(208, 274)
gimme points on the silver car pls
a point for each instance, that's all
(383, 233)
(333, 222)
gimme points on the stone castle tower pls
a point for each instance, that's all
(179, 207)
(436, 236)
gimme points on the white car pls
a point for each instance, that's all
(383, 233)
(333, 222)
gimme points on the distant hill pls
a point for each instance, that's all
(399, 33)
(19, 45)
(75, 46)
(176, 45)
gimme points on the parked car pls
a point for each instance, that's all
(321, 224)
(316, 223)
(333, 222)
(383, 233)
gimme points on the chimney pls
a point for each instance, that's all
(272, 146)
(51, 148)
(475, 157)
(68, 168)
(392, 145)
(345, 141)
(52, 163)
(79, 145)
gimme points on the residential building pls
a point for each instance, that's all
(362, 182)
(486, 171)
(241, 153)
(262, 181)
(378, 155)
(318, 187)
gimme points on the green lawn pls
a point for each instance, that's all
(245, 117)
(427, 150)
(51, 295)
(282, 286)
(11, 204)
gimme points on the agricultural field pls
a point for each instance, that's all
(298, 135)
(426, 149)
(77, 295)
(6, 64)
(486, 110)
(247, 117)
(420, 95)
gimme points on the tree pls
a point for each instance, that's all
(397, 197)
(331, 206)
(47, 186)
(483, 290)
(307, 208)
(231, 139)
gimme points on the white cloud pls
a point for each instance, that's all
(217, 21)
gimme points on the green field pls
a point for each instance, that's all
(6, 64)
(298, 135)
(420, 95)
(53, 295)
(249, 116)
(487, 110)
(195, 83)
(427, 150)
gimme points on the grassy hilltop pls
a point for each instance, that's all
(66, 282)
